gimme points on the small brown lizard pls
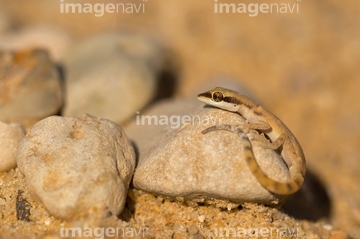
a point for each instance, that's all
(265, 122)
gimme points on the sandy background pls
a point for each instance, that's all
(304, 67)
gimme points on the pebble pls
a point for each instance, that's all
(201, 218)
(29, 85)
(72, 165)
(10, 137)
(278, 216)
(120, 73)
(193, 229)
(177, 160)
(197, 236)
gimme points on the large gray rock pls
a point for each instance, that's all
(112, 75)
(177, 160)
(10, 136)
(29, 85)
(74, 164)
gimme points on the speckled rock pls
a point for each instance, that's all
(10, 136)
(74, 164)
(177, 160)
(119, 71)
(29, 85)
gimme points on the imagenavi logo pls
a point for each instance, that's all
(99, 9)
(254, 9)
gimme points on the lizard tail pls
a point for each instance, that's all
(276, 187)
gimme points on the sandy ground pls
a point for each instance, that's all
(302, 66)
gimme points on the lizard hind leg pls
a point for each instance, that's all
(271, 185)
(265, 143)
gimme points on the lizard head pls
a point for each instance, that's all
(221, 98)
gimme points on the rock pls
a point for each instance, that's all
(74, 164)
(10, 137)
(120, 74)
(29, 85)
(177, 160)
(54, 40)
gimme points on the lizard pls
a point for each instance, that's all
(267, 123)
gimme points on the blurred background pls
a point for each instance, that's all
(303, 66)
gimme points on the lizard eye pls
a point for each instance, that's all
(217, 96)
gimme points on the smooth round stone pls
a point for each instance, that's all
(10, 136)
(30, 85)
(178, 161)
(74, 164)
(120, 74)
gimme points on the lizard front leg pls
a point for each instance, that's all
(261, 127)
